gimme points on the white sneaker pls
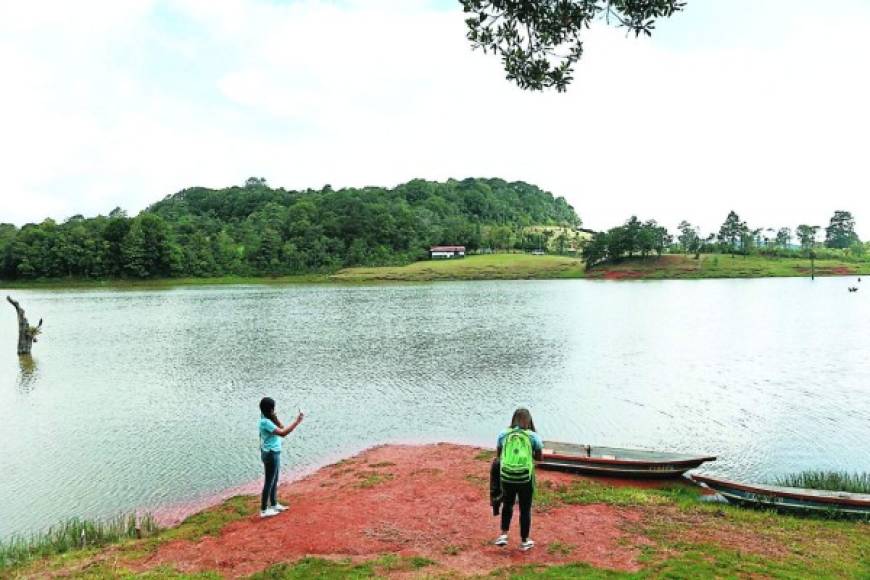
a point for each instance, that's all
(527, 545)
(501, 540)
(268, 513)
(279, 508)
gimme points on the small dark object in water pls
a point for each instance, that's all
(853, 288)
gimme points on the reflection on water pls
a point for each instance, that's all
(28, 374)
(159, 404)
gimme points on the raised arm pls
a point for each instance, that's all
(284, 431)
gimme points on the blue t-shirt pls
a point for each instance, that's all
(537, 443)
(268, 440)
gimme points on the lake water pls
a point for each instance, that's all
(143, 398)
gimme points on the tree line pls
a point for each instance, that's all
(255, 230)
(735, 236)
(634, 238)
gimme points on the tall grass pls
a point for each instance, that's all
(74, 534)
(827, 480)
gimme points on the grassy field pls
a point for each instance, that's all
(487, 267)
(722, 266)
(525, 266)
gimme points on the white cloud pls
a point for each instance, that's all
(376, 93)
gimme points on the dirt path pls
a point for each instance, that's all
(429, 501)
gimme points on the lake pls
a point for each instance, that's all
(147, 398)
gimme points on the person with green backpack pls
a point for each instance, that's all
(517, 448)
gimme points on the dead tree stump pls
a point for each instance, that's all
(26, 333)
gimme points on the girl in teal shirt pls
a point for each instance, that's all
(271, 431)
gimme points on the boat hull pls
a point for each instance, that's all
(617, 462)
(790, 499)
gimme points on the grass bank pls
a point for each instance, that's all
(483, 267)
(121, 284)
(508, 267)
(675, 267)
(668, 267)
(584, 528)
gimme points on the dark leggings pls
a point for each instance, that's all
(272, 465)
(524, 491)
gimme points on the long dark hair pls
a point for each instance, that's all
(267, 408)
(523, 419)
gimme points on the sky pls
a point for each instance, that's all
(760, 106)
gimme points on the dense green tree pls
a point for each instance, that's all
(501, 237)
(630, 235)
(199, 256)
(596, 250)
(115, 231)
(8, 233)
(148, 248)
(539, 41)
(653, 238)
(626, 240)
(841, 231)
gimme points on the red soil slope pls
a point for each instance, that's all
(429, 501)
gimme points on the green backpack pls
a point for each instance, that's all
(517, 465)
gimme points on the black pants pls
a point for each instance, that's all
(512, 491)
(271, 465)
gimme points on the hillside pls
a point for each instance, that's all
(256, 230)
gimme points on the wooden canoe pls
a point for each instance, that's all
(788, 498)
(617, 462)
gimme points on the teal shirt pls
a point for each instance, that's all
(268, 440)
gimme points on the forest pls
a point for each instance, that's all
(255, 230)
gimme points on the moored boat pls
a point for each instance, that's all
(618, 462)
(789, 498)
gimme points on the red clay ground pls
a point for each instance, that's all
(830, 270)
(429, 501)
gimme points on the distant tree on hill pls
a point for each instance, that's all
(732, 231)
(750, 239)
(783, 238)
(539, 41)
(689, 237)
(807, 235)
(626, 240)
(253, 182)
(841, 231)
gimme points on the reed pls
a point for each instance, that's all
(74, 534)
(827, 480)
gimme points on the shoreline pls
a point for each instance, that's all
(409, 510)
(172, 283)
(492, 267)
